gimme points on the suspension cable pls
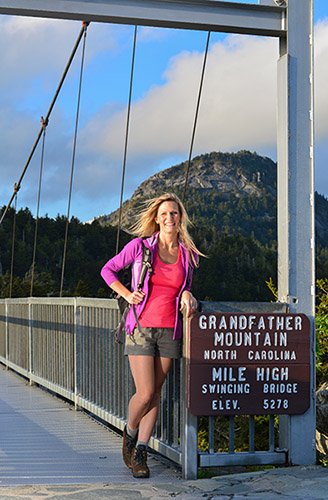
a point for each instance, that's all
(196, 115)
(18, 184)
(126, 139)
(85, 25)
(16, 189)
(44, 125)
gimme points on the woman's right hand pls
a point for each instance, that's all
(131, 297)
(135, 297)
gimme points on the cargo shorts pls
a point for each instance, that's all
(155, 342)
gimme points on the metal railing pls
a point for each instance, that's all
(66, 345)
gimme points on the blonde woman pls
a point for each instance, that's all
(151, 347)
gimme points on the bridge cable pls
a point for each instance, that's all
(44, 125)
(126, 139)
(85, 25)
(196, 115)
(18, 184)
(16, 189)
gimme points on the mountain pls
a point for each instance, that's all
(231, 193)
(239, 174)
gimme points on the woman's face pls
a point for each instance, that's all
(168, 217)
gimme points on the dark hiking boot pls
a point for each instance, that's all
(128, 447)
(139, 462)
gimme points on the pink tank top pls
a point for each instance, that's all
(165, 284)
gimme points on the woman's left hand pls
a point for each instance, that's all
(189, 302)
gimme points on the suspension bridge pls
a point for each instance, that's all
(64, 345)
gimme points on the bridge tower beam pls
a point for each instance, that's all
(296, 246)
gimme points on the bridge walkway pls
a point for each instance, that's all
(44, 440)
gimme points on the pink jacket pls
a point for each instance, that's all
(132, 254)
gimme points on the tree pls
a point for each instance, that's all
(322, 330)
(82, 290)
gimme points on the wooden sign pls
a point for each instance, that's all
(249, 364)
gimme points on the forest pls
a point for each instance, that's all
(237, 265)
(241, 264)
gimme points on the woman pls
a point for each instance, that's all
(151, 347)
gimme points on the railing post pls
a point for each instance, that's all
(7, 335)
(30, 340)
(189, 422)
(76, 347)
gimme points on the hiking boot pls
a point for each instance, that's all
(139, 462)
(128, 447)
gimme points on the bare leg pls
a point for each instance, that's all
(147, 423)
(149, 374)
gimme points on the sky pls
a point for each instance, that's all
(237, 111)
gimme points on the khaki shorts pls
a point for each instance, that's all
(156, 342)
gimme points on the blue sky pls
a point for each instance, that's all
(238, 108)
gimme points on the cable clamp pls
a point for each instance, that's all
(44, 122)
(16, 188)
(85, 24)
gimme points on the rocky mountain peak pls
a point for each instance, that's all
(237, 174)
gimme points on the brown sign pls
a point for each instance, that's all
(248, 364)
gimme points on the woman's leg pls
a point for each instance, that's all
(147, 423)
(149, 374)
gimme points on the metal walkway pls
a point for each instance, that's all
(43, 440)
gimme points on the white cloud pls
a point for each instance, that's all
(321, 78)
(237, 107)
(148, 34)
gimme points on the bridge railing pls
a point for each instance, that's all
(67, 346)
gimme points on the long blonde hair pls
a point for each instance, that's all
(147, 226)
